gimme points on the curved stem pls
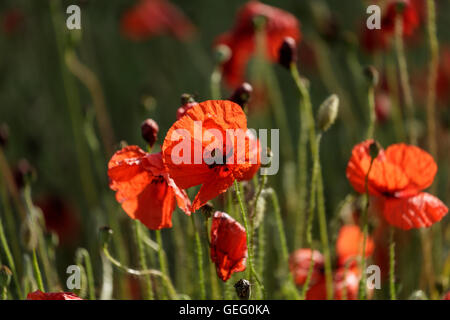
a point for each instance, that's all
(9, 258)
(83, 255)
(161, 257)
(199, 253)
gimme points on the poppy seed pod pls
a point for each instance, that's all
(288, 52)
(328, 112)
(149, 130)
(242, 94)
(5, 276)
(371, 75)
(105, 234)
(243, 289)
(4, 134)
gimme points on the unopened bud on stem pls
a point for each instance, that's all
(222, 53)
(242, 94)
(243, 289)
(149, 131)
(371, 75)
(328, 112)
(105, 234)
(287, 54)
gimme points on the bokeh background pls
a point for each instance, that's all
(52, 115)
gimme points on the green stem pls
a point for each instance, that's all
(282, 235)
(251, 270)
(362, 282)
(372, 115)
(392, 264)
(10, 259)
(37, 272)
(162, 258)
(144, 272)
(142, 260)
(83, 255)
(216, 78)
(199, 253)
(404, 79)
(302, 176)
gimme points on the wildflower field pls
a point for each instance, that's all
(218, 150)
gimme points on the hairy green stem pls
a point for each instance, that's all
(372, 115)
(199, 253)
(37, 272)
(82, 255)
(392, 264)
(161, 257)
(142, 260)
(10, 260)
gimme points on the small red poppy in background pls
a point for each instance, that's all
(150, 18)
(228, 245)
(396, 180)
(196, 131)
(299, 263)
(380, 39)
(446, 296)
(39, 295)
(144, 188)
(60, 217)
(349, 244)
(241, 39)
(382, 106)
(12, 21)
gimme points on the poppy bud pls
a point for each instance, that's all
(243, 289)
(374, 149)
(187, 102)
(105, 234)
(288, 52)
(4, 134)
(149, 130)
(418, 295)
(222, 53)
(5, 276)
(207, 210)
(242, 94)
(371, 75)
(328, 112)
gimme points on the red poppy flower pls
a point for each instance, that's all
(60, 218)
(299, 263)
(155, 17)
(39, 295)
(241, 39)
(382, 106)
(349, 244)
(379, 39)
(446, 296)
(144, 188)
(228, 245)
(396, 179)
(211, 146)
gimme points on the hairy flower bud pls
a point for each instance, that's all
(243, 289)
(371, 75)
(287, 54)
(374, 149)
(149, 130)
(187, 102)
(207, 210)
(4, 134)
(328, 112)
(242, 94)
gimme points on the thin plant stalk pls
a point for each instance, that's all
(251, 269)
(282, 236)
(216, 78)
(161, 257)
(9, 259)
(148, 293)
(199, 254)
(404, 79)
(372, 115)
(392, 264)
(37, 272)
(82, 255)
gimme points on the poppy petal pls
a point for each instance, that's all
(350, 242)
(419, 211)
(418, 165)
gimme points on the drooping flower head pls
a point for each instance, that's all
(396, 180)
(39, 295)
(228, 245)
(144, 188)
(241, 40)
(150, 18)
(211, 146)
